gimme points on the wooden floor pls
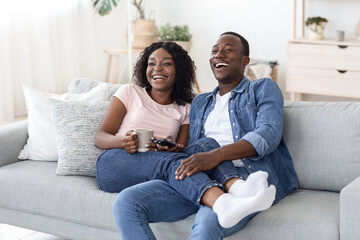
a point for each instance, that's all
(8, 232)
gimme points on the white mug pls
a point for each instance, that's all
(144, 137)
(339, 35)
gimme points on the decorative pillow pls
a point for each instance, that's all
(41, 144)
(76, 123)
(81, 85)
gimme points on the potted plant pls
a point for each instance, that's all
(144, 29)
(177, 33)
(316, 27)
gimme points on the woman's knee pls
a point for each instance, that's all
(202, 145)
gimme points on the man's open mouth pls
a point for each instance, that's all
(221, 65)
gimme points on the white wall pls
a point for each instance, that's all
(267, 25)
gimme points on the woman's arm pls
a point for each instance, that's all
(183, 136)
(105, 136)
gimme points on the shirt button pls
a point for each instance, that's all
(204, 116)
(231, 110)
(236, 136)
(249, 166)
(201, 131)
(233, 124)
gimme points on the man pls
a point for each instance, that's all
(246, 118)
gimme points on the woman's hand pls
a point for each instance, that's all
(195, 163)
(177, 148)
(130, 142)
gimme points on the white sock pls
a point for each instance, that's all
(253, 184)
(230, 209)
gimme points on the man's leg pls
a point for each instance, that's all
(206, 226)
(149, 202)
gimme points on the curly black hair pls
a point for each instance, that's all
(184, 66)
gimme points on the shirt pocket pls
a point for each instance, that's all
(246, 117)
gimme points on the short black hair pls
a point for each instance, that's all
(184, 71)
(243, 41)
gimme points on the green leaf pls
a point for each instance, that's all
(104, 7)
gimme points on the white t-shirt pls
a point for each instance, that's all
(218, 125)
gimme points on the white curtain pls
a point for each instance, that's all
(47, 43)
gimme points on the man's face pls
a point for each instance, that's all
(227, 59)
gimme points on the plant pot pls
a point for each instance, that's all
(357, 31)
(316, 32)
(186, 45)
(144, 33)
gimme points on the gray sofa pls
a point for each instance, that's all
(323, 138)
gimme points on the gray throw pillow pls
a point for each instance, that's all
(76, 123)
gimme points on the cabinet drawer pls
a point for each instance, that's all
(324, 56)
(323, 82)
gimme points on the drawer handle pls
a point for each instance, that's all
(342, 71)
(342, 46)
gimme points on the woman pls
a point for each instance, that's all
(161, 100)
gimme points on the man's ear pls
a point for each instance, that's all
(246, 60)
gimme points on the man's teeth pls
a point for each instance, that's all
(158, 77)
(221, 65)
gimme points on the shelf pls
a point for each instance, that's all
(327, 41)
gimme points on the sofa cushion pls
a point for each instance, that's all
(76, 123)
(323, 139)
(33, 187)
(306, 214)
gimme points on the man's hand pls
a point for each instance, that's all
(198, 162)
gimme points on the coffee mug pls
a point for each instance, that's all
(144, 137)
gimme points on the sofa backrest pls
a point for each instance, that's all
(324, 142)
(323, 138)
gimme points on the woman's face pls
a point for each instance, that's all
(161, 71)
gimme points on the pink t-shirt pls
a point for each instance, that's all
(144, 112)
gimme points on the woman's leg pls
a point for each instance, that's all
(117, 170)
(226, 173)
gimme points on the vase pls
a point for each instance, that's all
(316, 32)
(186, 45)
(144, 33)
(357, 31)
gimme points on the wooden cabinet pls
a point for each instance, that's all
(325, 67)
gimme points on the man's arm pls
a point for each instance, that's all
(208, 160)
(254, 145)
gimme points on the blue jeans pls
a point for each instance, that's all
(156, 201)
(117, 170)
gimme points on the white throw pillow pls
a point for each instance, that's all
(41, 144)
(76, 123)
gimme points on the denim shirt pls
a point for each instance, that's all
(256, 115)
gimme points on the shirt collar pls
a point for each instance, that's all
(239, 89)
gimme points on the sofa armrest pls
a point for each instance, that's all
(12, 139)
(350, 211)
